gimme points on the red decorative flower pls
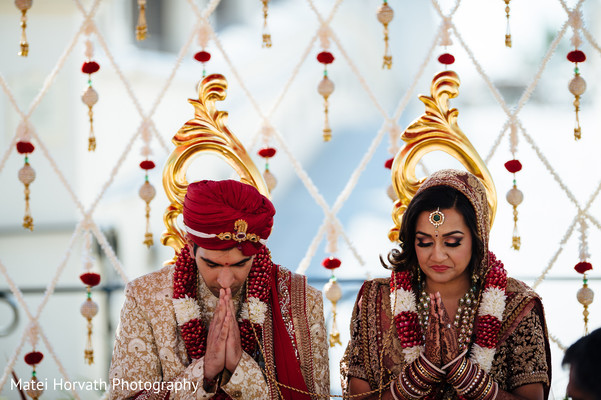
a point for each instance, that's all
(576, 56)
(325, 57)
(33, 357)
(583, 266)
(267, 152)
(388, 163)
(90, 278)
(446, 59)
(331, 263)
(25, 147)
(90, 67)
(513, 166)
(402, 280)
(407, 325)
(147, 164)
(202, 56)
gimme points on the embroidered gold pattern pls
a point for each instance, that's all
(299, 318)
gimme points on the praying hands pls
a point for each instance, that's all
(224, 348)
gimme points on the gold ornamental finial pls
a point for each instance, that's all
(205, 133)
(437, 129)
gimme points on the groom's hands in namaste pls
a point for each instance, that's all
(233, 349)
(224, 348)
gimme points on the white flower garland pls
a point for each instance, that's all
(186, 309)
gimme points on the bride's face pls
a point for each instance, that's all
(444, 253)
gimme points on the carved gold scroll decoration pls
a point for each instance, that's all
(205, 133)
(437, 129)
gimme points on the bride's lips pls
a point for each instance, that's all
(439, 268)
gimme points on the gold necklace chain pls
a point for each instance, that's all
(271, 376)
(464, 318)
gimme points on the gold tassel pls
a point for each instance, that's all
(89, 98)
(23, 5)
(585, 297)
(147, 193)
(266, 35)
(141, 28)
(333, 293)
(91, 138)
(577, 87)
(385, 15)
(515, 198)
(89, 309)
(507, 33)
(325, 88)
(27, 176)
(516, 241)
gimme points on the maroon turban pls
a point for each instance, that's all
(219, 215)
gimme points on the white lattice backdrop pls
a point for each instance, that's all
(328, 192)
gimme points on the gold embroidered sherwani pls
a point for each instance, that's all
(149, 346)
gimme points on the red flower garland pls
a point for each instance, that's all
(194, 331)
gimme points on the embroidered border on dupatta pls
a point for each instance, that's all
(303, 330)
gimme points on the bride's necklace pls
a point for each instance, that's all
(490, 309)
(464, 318)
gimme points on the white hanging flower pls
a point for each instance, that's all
(513, 137)
(332, 236)
(412, 353)
(394, 131)
(146, 134)
(186, 309)
(244, 312)
(445, 39)
(89, 51)
(493, 303)
(404, 301)
(324, 36)
(575, 21)
(146, 151)
(257, 310)
(33, 333)
(204, 34)
(483, 356)
(23, 131)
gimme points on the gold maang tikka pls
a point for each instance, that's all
(436, 218)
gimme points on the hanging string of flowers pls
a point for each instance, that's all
(35, 388)
(332, 289)
(577, 85)
(203, 56)
(326, 86)
(147, 191)
(514, 195)
(26, 173)
(90, 96)
(585, 295)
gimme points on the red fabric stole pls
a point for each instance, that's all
(287, 365)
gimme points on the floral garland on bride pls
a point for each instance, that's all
(187, 309)
(488, 321)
